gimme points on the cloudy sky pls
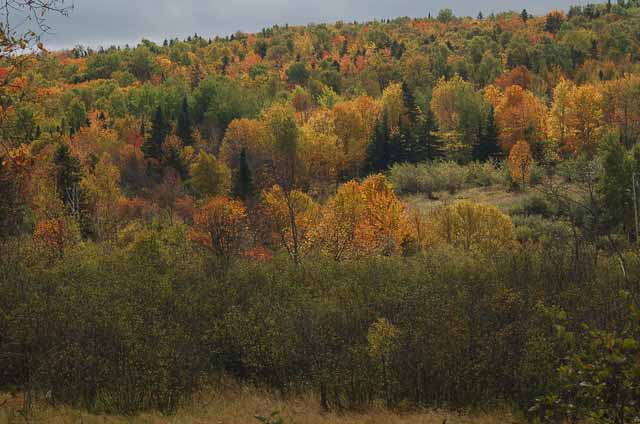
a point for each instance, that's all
(106, 22)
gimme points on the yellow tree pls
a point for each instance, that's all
(585, 119)
(291, 217)
(252, 136)
(521, 163)
(470, 226)
(621, 107)
(323, 157)
(103, 191)
(393, 104)
(558, 122)
(221, 226)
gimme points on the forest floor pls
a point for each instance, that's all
(241, 406)
(494, 195)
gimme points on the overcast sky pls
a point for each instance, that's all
(105, 22)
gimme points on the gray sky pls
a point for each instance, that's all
(106, 22)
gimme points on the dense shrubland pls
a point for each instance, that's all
(171, 214)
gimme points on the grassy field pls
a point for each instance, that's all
(494, 195)
(235, 405)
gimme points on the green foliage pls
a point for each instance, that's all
(209, 177)
(599, 379)
(152, 146)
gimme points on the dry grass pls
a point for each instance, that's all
(494, 195)
(235, 405)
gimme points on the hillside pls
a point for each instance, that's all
(371, 222)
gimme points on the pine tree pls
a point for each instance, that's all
(487, 146)
(184, 125)
(378, 148)
(243, 182)
(152, 147)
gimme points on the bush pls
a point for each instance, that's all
(483, 174)
(534, 205)
(404, 178)
(450, 176)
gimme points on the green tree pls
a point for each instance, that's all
(184, 126)
(487, 146)
(209, 177)
(152, 147)
(243, 182)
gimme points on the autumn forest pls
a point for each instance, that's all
(408, 213)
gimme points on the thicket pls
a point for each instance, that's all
(145, 322)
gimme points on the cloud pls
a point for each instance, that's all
(101, 22)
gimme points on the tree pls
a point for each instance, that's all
(68, 176)
(520, 115)
(429, 142)
(558, 123)
(377, 158)
(521, 163)
(221, 226)
(152, 147)
(209, 177)
(585, 120)
(184, 127)
(472, 227)
(243, 182)
(487, 146)
(459, 111)
(103, 191)
(363, 219)
(298, 74)
(291, 216)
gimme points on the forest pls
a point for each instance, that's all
(407, 213)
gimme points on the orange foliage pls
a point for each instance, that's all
(221, 226)
(58, 234)
(520, 116)
(521, 163)
(363, 219)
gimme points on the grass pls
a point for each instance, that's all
(236, 405)
(494, 195)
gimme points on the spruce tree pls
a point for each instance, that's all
(152, 147)
(487, 146)
(409, 103)
(243, 182)
(68, 173)
(184, 125)
(378, 148)
(428, 139)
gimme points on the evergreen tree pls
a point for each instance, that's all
(487, 146)
(378, 149)
(184, 126)
(243, 182)
(172, 159)
(429, 143)
(68, 172)
(410, 103)
(152, 147)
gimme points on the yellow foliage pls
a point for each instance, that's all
(521, 163)
(472, 227)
